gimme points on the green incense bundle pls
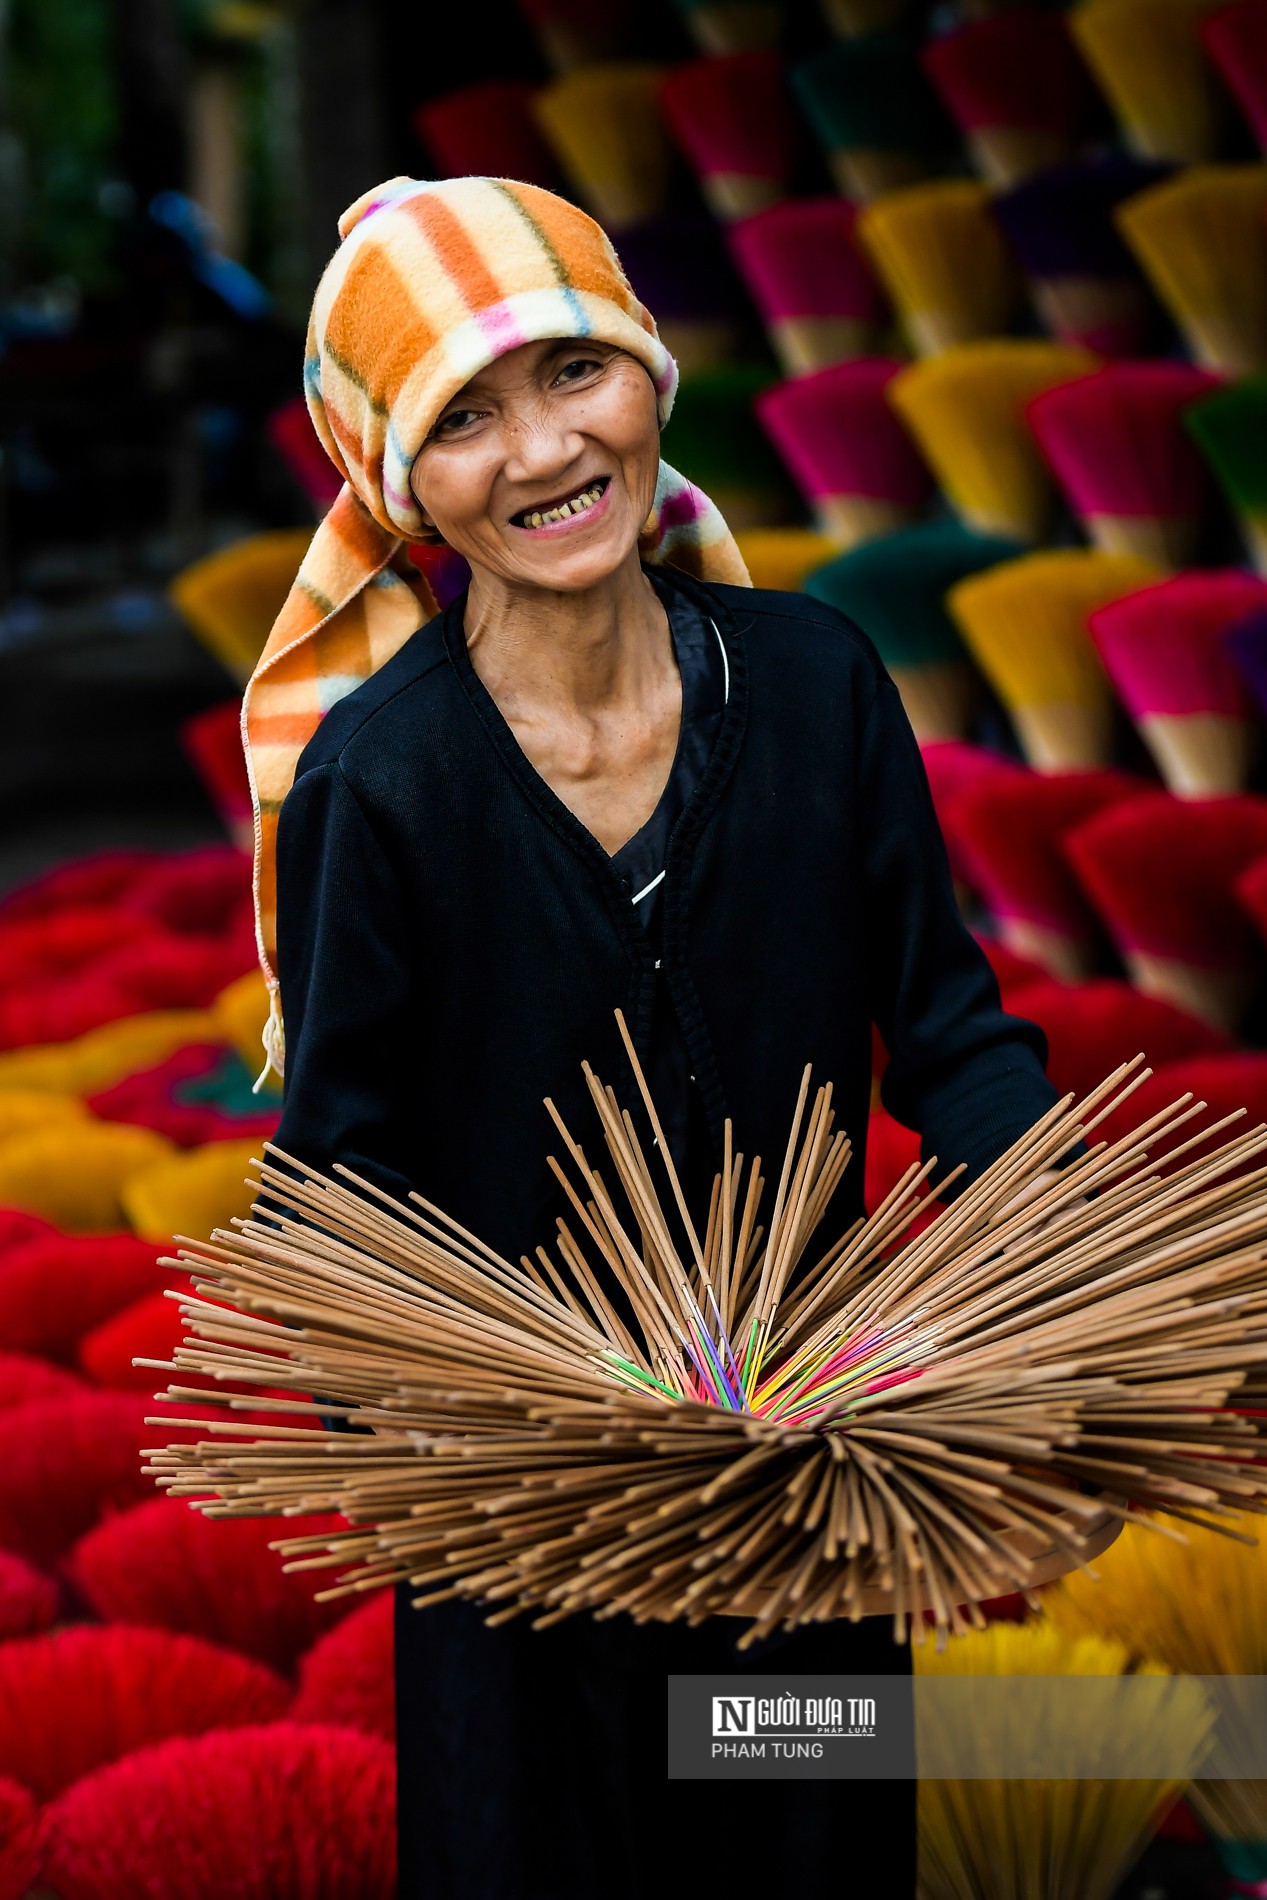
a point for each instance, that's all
(1230, 429)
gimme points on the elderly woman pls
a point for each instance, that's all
(608, 775)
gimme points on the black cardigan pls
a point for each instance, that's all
(452, 942)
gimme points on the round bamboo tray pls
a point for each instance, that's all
(1045, 1561)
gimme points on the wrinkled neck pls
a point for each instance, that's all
(578, 652)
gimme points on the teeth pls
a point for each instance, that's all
(577, 505)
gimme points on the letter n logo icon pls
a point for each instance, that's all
(733, 1714)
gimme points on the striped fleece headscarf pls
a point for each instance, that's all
(431, 283)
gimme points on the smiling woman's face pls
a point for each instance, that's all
(543, 469)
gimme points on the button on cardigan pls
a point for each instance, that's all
(452, 941)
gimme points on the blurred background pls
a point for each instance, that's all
(970, 303)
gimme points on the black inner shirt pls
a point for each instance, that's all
(701, 659)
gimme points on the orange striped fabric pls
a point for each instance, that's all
(432, 282)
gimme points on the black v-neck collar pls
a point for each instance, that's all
(547, 802)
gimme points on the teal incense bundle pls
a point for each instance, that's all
(873, 112)
(895, 588)
(767, 1425)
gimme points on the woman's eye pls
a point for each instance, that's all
(455, 421)
(579, 367)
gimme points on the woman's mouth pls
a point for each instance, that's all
(568, 512)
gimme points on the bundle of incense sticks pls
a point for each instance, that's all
(894, 1427)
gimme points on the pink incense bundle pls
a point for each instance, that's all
(817, 295)
(1236, 40)
(848, 452)
(1161, 872)
(1089, 1024)
(488, 130)
(733, 119)
(1016, 89)
(1115, 443)
(291, 432)
(1163, 648)
(1008, 837)
(953, 767)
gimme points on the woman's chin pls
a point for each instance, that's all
(572, 562)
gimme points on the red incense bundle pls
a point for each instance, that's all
(1163, 649)
(818, 297)
(291, 433)
(29, 1604)
(1013, 973)
(487, 130)
(847, 451)
(78, 1698)
(733, 119)
(1089, 1024)
(347, 1676)
(1116, 445)
(1015, 87)
(1161, 872)
(1008, 836)
(282, 1811)
(1236, 40)
(1251, 891)
(160, 1565)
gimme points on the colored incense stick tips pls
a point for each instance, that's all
(487, 130)
(1162, 872)
(231, 598)
(895, 588)
(1230, 428)
(1236, 40)
(1116, 443)
(872, 111)
(715, 439)
(853, 18)
(941, 257)
(1089, 1024)
(1008, 838)
(733, 119)
(966, 411)
(732, 26)
(1068, 1840)
(681, 269)
(1026, 623)
(1146, 55)
(818, 296)
(784, 558)
(1084, 282)
(909, 1428)
(1015, 88)
(1202, 241)
(1163, 649)
(603, 126)
(848, 452)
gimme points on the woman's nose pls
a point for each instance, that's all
(538, 444)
